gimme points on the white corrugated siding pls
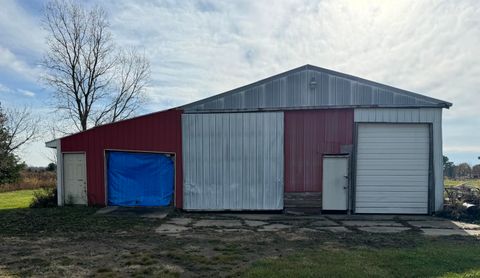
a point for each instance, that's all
(392, 168)
(419, 115)
(233, 161)
(294, 89)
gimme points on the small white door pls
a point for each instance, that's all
(335, 183)
(75, 179)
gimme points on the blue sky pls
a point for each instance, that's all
(201, 48)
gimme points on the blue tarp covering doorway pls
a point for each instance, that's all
(139, 179)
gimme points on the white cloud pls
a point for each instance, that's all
(412, 45)
(13, 65)
(4, 89)
(21, 43)
(16, 92)
(26, 93)
(463, 149)
(21, 30)
(200, 48)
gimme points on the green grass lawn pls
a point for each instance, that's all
(431, 258)
(16, 199)
(473, 182)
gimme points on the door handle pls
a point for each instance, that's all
(345, 177)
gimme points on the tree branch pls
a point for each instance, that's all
(94, 82)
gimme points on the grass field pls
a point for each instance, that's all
(16, 199)
(473, 182)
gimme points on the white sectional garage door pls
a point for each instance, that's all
(392, 168)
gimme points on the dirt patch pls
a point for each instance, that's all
(75, 242)
(135, 251)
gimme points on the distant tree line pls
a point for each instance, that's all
(460, 171)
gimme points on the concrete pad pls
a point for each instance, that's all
(170, 229)
(434, 224)
(325, 223)
(274, 228)
(473, 232)
(338, 229)
(233, 231)
(255, 223)
(156, 215)
(106, 210)
(365, 223)
(292, 222)
(444, 232)
(254, 216)
(307, 230)
(466, 226)
(383, 230)
(310, 217)
(217, 223)
(180, 221)
(419, 218)
(346, 217)
(295, 213)
(337, 216)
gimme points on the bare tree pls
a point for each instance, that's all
(21, 128)
(94, 81)
(53, 131)
(463, 170)
(132, 72)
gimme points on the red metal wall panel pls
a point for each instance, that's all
(309, 134)
(157, 132)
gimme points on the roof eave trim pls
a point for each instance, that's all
(53, 144)
(269, 109)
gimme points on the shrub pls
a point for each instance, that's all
(51, 167)
(44, 198)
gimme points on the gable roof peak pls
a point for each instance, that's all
(336, 90)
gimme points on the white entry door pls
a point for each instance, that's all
(335, 183)
(75, 179)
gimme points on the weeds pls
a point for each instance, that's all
(31, 180)
(44, 198)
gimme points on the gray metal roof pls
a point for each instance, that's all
(310, 87)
